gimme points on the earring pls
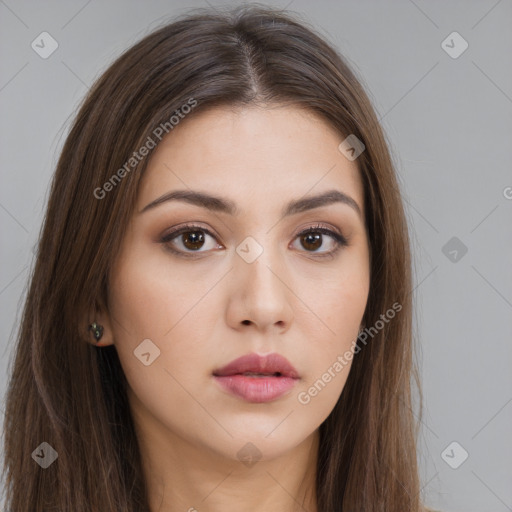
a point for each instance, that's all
(97, 331)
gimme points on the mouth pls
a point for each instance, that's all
(252, 374)
(254, 365)
(257, 379)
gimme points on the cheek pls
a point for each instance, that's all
(150, 298)
(344, 309)
(339, 307)
(339, 302)
(150, 309)
(330, 356)
(167, 313)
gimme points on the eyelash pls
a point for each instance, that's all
(340, 240)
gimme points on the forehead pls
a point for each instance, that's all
(252, 154)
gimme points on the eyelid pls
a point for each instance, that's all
(188, 227)
(322, 227)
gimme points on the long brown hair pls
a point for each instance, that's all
(71, 394)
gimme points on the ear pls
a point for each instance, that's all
(101, 317)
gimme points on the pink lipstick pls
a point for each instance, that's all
(256, 378)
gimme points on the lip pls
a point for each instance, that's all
(280, 377)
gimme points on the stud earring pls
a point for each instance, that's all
(97, 331)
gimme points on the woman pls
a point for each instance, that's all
(219, 317)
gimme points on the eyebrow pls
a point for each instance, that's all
(224, 205)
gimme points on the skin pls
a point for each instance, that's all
(204, 311)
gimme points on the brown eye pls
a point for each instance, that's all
(313, 239)
(193, 240)
(188, 240)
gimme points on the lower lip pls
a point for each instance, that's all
(256, 389)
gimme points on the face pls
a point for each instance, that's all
(199, 285)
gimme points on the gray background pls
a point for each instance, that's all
(449, 123)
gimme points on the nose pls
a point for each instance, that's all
(260, 294)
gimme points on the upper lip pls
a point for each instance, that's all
(254, 363)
